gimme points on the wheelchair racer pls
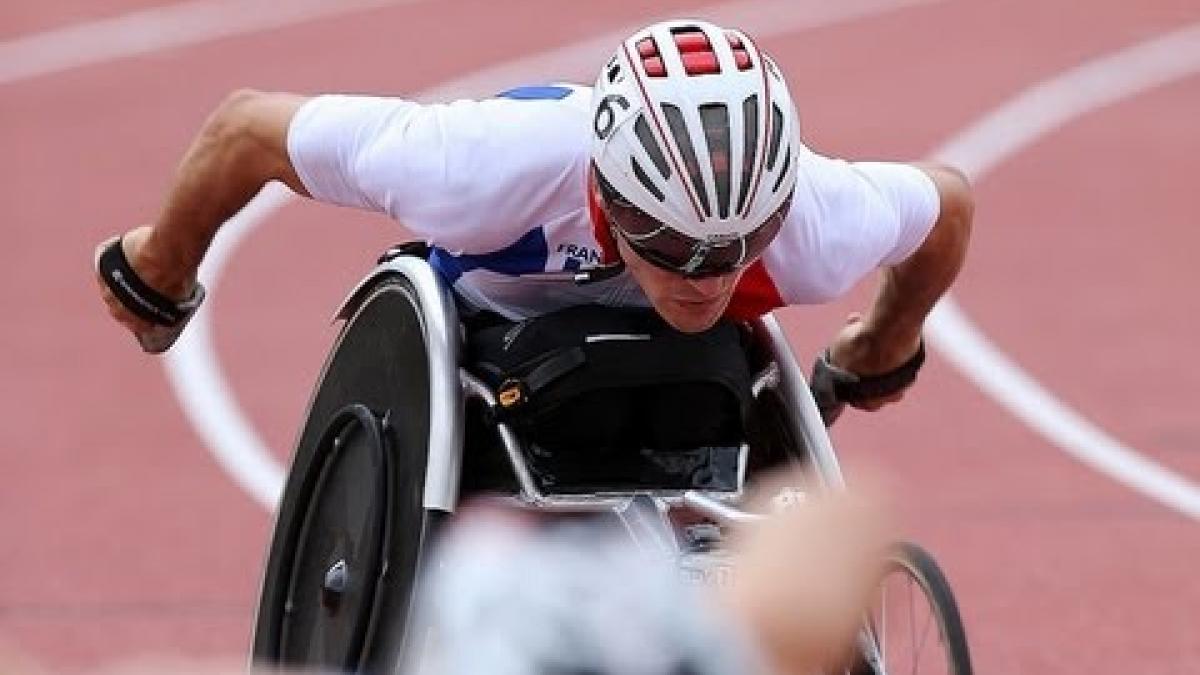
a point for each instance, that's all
(679, 181)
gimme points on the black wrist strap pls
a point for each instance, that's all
(138, 297)
(859, 388)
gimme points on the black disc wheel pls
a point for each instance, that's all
(351, 526)
(915, 627)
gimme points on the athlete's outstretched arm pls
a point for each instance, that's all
(241, 147)
(889, 332)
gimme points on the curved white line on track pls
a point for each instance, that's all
(195, 373)
(1037, 112)
(158, 29)
(192, 365)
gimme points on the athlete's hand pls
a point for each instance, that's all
(155, 266)
(863, 350)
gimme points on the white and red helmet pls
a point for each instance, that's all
(695, 146)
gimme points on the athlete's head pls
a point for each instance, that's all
(694, 161)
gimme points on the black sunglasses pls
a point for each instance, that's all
(671, 250)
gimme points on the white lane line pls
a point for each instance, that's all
(196, 377)
(1039, 111)
(158, 29)
(193, 368)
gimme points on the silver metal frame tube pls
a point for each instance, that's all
(475, 387)
(806, 419)
(718, 510)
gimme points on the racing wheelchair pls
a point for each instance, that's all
(403, 425)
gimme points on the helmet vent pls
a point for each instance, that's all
(749, 148)
(652, 61)
(787, 162)
(654, 67)
(776, 136)
(696, 51)
(651, 146)
(715, 120)
(645, 180)
(740, 55)
(684, 143)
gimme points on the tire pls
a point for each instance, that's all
(351, 530)
(911, 567)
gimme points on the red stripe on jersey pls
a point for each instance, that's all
(600, 227)
(755, 295)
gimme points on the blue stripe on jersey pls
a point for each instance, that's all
(539, 93)
(524, 256)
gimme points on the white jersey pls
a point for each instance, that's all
(499, 188)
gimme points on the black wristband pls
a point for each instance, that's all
(138, 297)
(866, 387)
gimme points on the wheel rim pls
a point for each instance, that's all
(910, 638)
(339, 544)
(905, 632)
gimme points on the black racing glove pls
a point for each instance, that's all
(834, 387)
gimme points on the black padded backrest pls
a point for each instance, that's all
(616, 396)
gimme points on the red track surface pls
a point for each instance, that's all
(122, 537)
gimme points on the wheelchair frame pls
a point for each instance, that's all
(645, 513)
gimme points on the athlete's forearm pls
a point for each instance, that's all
(241, 147)
(908, 291)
